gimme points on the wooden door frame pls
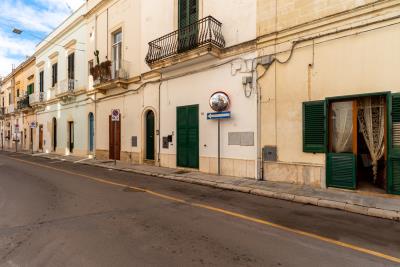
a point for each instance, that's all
(387, 135)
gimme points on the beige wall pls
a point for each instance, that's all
(357, 61)
(278, 15)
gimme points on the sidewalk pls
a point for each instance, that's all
(371, 204)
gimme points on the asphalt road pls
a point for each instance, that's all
(55, 213)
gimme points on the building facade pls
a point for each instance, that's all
(164, 63)
(312, 88)
(329, 103)
(60, 101)
(15, 108)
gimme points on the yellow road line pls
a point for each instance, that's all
(226, 212)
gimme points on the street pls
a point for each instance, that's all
(55, 213)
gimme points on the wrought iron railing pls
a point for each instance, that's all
(66, 86)
(36, 98)
(203, 32)
(23, 102)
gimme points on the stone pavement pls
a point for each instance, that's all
(370, 204)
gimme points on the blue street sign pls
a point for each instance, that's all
(218, 115)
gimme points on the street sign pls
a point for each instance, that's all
(115, 115)
(218, 115)
(16, 127)
(32, 125)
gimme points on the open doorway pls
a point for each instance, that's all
(71, 136)
(357, 143)
(150, 135)
(54, 137)
(371, 143)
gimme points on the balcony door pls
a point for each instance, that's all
(188, 15)
(71, 72)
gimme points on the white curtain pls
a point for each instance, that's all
(342, 116)
(371, 116)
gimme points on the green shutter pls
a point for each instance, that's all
(341, 170)
(188, 136)
(394, 146)
(314, 127)
(188, 14)
(183, 13)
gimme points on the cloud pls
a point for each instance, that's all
(35, 18)
(13, 50)
(40, 16)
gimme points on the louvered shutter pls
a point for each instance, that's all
(193, 11)
(183, 13)
(394, 178)
(314, 127)
(341, 170)
(188, 136)
(193, 136)
(182, 136)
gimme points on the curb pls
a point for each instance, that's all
(325, 203)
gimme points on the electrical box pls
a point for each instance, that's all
(247, 80)
(270, 153)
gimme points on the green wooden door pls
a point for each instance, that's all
(150, 135)
(188, 15)
(188, 136)
(394, 144)
(341, 160)
(341, 170)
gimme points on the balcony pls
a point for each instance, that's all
(66, 89)
(203, 36)
(109, 75)
(10, 109)
(36, 98)
(23, 103)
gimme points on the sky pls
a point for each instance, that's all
(36, 19)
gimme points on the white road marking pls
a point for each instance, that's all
(81, 160)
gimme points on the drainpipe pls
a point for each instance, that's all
(260, 168)
(159, 122)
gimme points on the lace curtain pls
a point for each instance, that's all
(342, 122)
(371, 112)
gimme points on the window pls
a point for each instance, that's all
(30, 88)
(71, 71)
(41, 81)
(54, 74)
(314, 127)
(17, 92)
(9, 99)
(117, 51)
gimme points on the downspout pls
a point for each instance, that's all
(159, 122)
